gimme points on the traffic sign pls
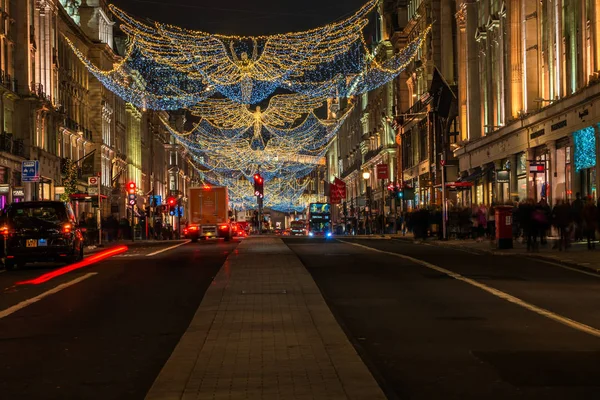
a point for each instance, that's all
(92, 181)
(30, 171)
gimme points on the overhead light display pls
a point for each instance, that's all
(223, 80)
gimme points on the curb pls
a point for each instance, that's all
(496, 252)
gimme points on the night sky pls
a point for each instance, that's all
(243, 17)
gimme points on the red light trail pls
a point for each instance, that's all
(95, 258)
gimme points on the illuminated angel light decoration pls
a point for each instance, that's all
(243, 68)
(225, 150)
(146, 84)
(282, 112)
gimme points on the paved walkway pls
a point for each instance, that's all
(263, 331)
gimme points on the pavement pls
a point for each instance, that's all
(263, 331)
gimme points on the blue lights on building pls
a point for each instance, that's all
(585, 148)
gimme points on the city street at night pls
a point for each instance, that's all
(279, 200)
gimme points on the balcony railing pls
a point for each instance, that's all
(372, 153)
(11, 145)
(355, 166)
(8, 82)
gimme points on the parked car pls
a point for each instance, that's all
(40, 231)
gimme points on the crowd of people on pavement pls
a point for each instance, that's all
(532, 222)
(114, 229)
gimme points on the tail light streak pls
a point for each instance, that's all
(93, 259)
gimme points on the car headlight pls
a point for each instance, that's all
(311, 234)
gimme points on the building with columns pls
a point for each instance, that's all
(427, 115)
(529, 86)
(367, 138)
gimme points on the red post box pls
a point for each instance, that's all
(504, 231)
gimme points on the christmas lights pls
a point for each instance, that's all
(584, 141)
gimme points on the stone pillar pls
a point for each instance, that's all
(461, 46)
(551, 165)
(575, 175)
(597, 132)
(531, 192)
(515, 58)
(473, 82)
(514, 183)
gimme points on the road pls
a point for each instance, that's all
(446, 323)
(111, 328)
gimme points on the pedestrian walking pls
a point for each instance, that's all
(577, 216)
(561, 219)
(590, 222)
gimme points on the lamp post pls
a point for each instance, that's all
(366, 176)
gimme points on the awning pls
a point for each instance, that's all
(85, 197)
(457, 185)
(477, 173)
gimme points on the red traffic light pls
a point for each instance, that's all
(171, 201)
(131, 187)
(258, 178)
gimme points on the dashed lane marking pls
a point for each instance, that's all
(28, 302)
(168, 248)
(498, 293)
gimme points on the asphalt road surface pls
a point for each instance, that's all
(450, 324)
(106, 330)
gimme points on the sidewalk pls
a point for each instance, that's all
(577, 255)
(263, 331)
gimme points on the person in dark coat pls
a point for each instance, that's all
(561, 219)
(526, 211)
(577, 216)
(590, 222)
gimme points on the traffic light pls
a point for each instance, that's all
(259, 188)
(131, 193)
(172, 204)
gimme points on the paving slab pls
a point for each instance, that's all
(264, 331)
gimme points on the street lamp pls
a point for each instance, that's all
(366, 176)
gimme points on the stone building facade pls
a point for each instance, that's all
(531, 98)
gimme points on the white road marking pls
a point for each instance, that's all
(28, 302)
(168, 248)
(498, 293)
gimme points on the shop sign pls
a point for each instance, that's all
(59, 190)
(18, 192)
(4, 189)
(536, 168)
(537, 134)
(558, 125)
(502, 176)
